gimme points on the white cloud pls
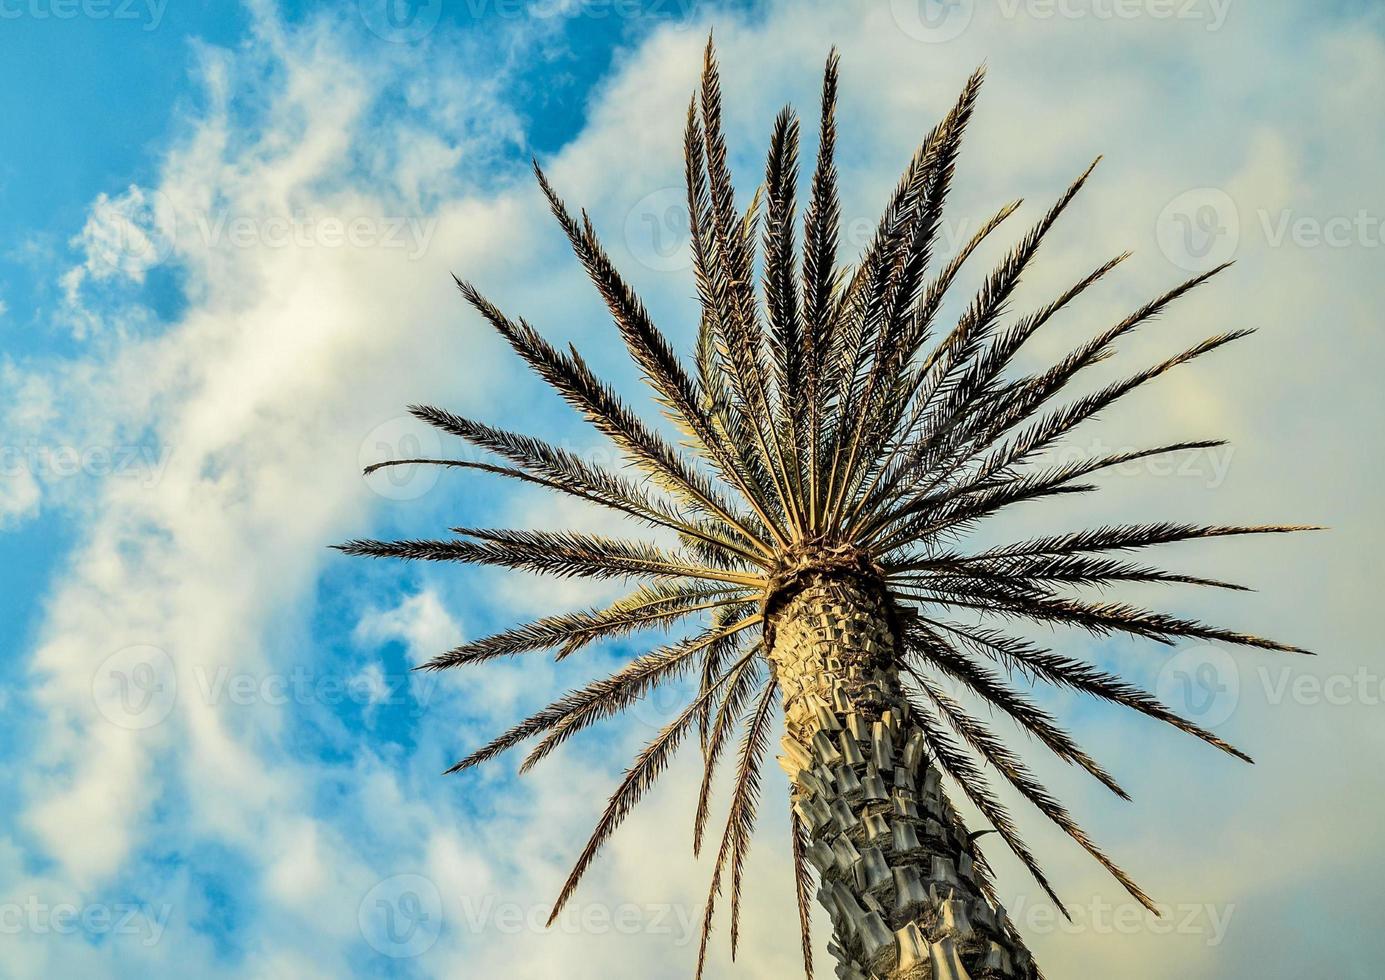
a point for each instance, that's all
(19, 497)
(292, 352)
(421, 621)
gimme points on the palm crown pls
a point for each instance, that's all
(832, 423)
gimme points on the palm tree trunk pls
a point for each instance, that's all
(908, 894)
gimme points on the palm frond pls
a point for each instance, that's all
(741, 687)
(737, 322)
(889, 277)
(648, 766)
(562, 553)
(740, 823)
(803, 888)
(649, 606)
(1056, 669)
(821, 229)
(570, 376)
(608, 696)
(1127, 537)
(935, 650)
(1018, 775)
(954, 762)
(785, 334)
(1099, 618)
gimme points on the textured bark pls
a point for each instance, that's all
(908, 894)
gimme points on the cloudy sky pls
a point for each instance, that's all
(228, 234)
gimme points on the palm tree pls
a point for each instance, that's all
(835, 448)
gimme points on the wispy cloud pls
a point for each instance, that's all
(315, 234)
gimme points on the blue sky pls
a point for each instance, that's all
(219, 757)
(137, 60)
